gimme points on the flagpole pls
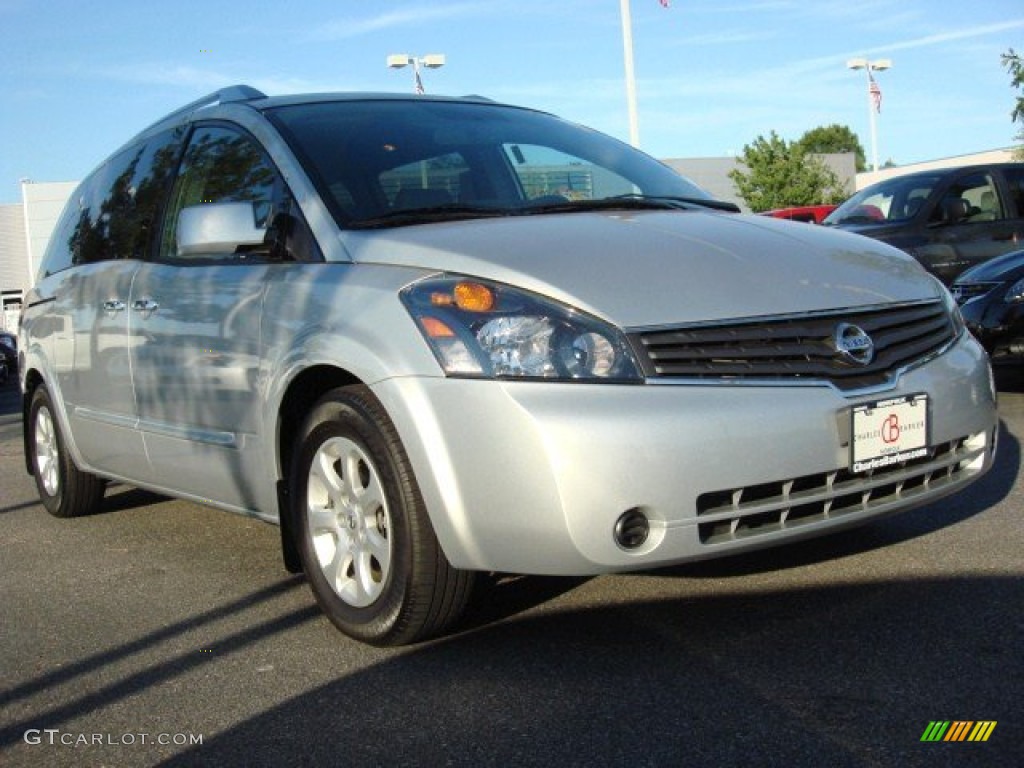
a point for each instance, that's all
(872, 108)
(627, 46)
(874, 98)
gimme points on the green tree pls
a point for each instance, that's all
(1015, 66)
(835, 138)
(781, 174)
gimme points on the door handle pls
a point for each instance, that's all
(113, 305)
(145, 305)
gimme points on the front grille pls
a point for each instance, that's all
(739, 513)
(964, 292)
(797, 347)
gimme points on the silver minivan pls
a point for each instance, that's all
(435, 337)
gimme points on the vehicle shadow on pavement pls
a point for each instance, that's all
(121, 498)
(1009, 375)
(13, 697)
(840, 675)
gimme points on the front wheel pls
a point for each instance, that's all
(64, 489)
(365, 539)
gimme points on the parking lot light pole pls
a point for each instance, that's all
(431, 61)
(874, 97)
(627, 45)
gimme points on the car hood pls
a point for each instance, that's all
(1000, 268)
(652, 268)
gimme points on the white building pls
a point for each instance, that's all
(25, 230)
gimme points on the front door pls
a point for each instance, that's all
(197, 375)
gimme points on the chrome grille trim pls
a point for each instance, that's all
(729, 515)
(797, 347)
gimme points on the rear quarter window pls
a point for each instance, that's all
(112, 213)
(60, 253)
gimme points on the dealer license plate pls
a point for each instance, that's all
(889, 432)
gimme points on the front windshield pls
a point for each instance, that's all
(378, 159)
(891, 200)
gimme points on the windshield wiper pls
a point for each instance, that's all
(633, 201)
(434, 213)
(679, 201)
(457, 211)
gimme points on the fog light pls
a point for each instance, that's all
(632, 529)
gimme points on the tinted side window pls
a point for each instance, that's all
(1015, 181)
(103, 230)
(971, 198)
(221, 165)
(62, 250)
(111, 214)
(150, 185)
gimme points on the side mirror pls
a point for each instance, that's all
(217, 228)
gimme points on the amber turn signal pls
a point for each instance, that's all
(435, 328)
(474, 297)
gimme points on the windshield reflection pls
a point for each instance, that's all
(374, 159)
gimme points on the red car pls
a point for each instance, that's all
(814, 214)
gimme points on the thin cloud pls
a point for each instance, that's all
(156, 74)
(199, 79)
(728, 38)
(749, 7)
(347, 28)
(945, 37)
(819, 64)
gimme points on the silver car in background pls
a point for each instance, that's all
(435, 337)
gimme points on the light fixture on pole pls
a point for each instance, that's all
(874, 97)
(431, 61)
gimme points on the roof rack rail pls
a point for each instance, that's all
(222, 96)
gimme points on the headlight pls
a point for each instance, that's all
(1016, 293)
(488, 330)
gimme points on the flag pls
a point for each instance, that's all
(875, 92)
(419, 83)
(664, 3)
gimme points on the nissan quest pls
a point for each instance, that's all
(432, 338)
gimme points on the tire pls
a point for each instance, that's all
(363, 534)
(65, 490)
(363, 531)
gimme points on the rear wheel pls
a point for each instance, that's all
(365, 539)
(64, 489)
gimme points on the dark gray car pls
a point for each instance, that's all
(948, 219)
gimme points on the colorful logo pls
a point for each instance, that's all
(958, 730)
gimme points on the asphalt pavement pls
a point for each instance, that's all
(158, 632)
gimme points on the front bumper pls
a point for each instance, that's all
(531, 477)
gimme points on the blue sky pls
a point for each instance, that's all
(79, 78)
